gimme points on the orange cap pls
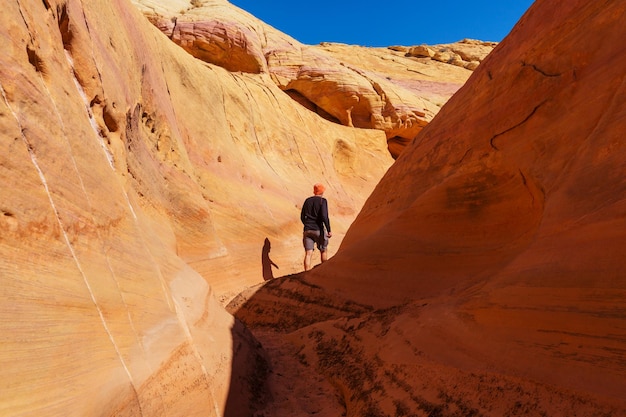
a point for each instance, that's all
(318, 189)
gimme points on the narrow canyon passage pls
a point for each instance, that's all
(154, 162)
(295, 388)
(281, 315)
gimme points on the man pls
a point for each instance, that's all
(314, 216)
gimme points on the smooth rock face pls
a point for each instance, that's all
(488, 265)
(390, 89)
(138, 185)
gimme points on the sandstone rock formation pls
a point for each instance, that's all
(485, 274)
(389, 89)
(138, 184)
(468, 53)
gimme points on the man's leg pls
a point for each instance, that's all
(322, 245)
(307, 259)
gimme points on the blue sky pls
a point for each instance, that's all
(398, 22)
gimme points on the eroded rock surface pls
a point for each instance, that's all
(137, 186)
(396, 90)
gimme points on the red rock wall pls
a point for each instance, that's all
(506, 216)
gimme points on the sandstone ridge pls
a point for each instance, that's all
(397, 90)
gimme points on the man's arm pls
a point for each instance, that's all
(325, 218)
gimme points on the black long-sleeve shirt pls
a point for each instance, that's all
(314, 214)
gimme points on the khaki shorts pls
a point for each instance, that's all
(311, 237)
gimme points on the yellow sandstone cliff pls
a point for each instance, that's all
(138, 185)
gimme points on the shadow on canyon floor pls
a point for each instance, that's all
(298, 350)
(266, 261)
(270, 376)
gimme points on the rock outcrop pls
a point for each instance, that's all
(394, 89)
(468, 53)
(485, 274)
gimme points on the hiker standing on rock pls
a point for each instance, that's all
(314, 216)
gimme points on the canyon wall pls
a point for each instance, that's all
(485, 275)
(138, 186)
(145, 177)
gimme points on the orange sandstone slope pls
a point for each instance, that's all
(520, 179)
(507, 214)
(486, 275)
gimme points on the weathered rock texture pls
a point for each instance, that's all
(397, 90)
(137, 184)
(486, 273)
